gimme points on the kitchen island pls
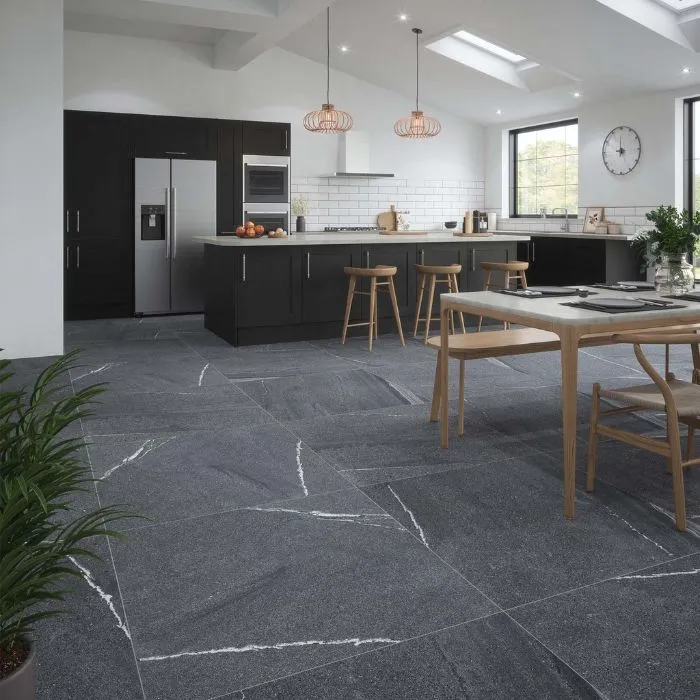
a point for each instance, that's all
(267, 290)
(576, 258)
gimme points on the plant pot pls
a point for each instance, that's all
(674, 275)
(301, 224)
(19, 685)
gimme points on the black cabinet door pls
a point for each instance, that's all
(403, 257)
(266, 139)
(174, 137)
(268, 292)
(98, 176)
(566, 261)
(98, 279)
(486, 252)
(325, 285)
(229, 184)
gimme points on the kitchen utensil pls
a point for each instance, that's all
(387, 220)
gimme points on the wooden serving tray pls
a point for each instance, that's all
(472, 235)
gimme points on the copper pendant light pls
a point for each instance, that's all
(418, 125)
(328, 120)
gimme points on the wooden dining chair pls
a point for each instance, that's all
(678, 399)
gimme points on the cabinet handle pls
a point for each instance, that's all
(77, 256)
(533, 251)
(77, 221)
(67, 221)
(67, 257)
(308, 266)
(286, 139)
(421, 254)
(243, 263)
(473, 266)
(176, 153)
(367, 258)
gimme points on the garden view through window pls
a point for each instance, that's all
(545, 169)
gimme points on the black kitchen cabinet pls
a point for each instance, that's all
(98, 279)
(403, 257)
(325, 285)
(268, 290)
(266, 138)
(229, 184)
(174, 137)
(486, 252)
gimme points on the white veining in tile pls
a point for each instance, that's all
(634, 529)
(148, 446)
(105, 367)
(89, 579)
(410, 515)
(300, 469)
(356, 518)
(201, 374)
(354, 641)
(692, 528)
(692, 572)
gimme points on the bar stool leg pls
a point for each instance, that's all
(348, 307)
(429, 310)
(451, 289)
(507, 282)
(419, 303)
(523, 279)
(395, 306)
(487, 284)
(372, 309)
(460, 418)
(461, 315)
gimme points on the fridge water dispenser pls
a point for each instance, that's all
(152, 222)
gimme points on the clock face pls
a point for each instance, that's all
(621, 150)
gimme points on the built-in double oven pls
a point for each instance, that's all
(266, 191)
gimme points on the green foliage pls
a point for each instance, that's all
(40, 472)
(674, 233)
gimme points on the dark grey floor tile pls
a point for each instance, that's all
(313, 395)
(399, 442)
(224, 602)
(502, 526)
(219, 407)
(169, 477)
(87, 653)
(492, 658)
(635, 636)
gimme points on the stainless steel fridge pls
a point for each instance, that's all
(175, 201)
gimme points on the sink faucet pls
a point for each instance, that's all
(565, 224)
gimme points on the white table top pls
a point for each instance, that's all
(306, 239)
(550, 310)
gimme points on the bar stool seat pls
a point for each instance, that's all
(385, 272)
(512, 272)
(431, 273)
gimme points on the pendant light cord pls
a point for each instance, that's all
(328, 55)
(417, 34)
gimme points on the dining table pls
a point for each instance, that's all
(575, 326)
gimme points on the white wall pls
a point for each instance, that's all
(125, 74)
(31, 178)
(656, 180)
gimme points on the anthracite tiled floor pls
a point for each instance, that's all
(309, 539)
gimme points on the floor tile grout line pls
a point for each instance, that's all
(114, 567)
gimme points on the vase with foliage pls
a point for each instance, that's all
(41, 471)
(667, 247)
(300, 208)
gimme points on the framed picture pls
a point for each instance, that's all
(594, 217)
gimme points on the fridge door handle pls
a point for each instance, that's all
(167, 223)
(174, 219)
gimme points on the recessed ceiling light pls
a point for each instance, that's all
(403, 17)
(344, 49)
(577, 94)
(685, 69)
(498, 111)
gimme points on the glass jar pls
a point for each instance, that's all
(674, 275)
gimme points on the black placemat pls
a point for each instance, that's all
(522, 293)
(647, 307)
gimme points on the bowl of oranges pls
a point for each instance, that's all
(250, 230)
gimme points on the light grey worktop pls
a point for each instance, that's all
(571, 234)
(350, 238)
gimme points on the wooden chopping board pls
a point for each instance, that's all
(402, 233)
(387, 220)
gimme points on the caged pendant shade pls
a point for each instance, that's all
(418, 125)
(328, 119)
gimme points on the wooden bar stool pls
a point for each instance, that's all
(431, 272)
(385, 272)
(512, 272)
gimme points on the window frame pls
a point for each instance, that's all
(513, 164)
(689, 153)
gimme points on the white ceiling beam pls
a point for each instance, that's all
(240, 16)
(230, 53)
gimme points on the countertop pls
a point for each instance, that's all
(571, 234)
(356, 238)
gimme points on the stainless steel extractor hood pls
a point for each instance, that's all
(353, 157)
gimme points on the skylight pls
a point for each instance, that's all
(680, 5)
(499, 50)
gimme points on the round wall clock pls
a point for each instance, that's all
(622, 150)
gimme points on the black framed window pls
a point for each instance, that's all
(544, 169)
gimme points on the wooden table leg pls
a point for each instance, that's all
(444, 380)
(569, 386)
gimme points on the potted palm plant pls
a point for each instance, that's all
(667, 247)
(40, 472)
